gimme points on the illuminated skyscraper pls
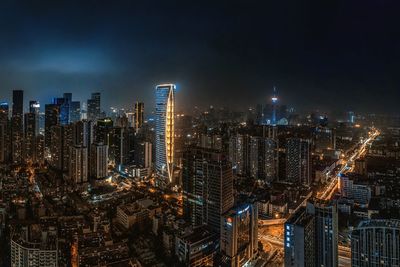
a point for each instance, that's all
(165, 112)
(139, 115)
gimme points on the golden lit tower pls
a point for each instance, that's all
(165, 130)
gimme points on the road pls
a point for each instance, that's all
(348, 164)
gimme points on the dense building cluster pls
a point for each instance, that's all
(84, 186)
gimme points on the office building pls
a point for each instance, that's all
(78, 164)
(207, 186)
(93, 107)
(165, 132)
(139, 115)
(376, 243)
(17, 130)
(239, 235)
(298, 161)
(98, 161)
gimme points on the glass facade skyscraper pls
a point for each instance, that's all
(165, 111)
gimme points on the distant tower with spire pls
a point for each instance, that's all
(274, 100)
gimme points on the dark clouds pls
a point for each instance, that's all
(320, 54)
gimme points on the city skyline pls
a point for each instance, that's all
(224, 134)
(318, 55)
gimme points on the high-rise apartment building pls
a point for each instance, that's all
(207, 186)
(17, 130)
(98, 160)
(30, 134)
(298, 161)
(165, 132)
(78, 164)
(239, 153)
(52, 118)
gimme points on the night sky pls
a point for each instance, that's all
(327, 55)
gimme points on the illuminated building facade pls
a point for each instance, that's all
(239, 235)
(165, 131)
